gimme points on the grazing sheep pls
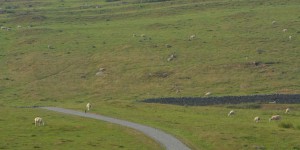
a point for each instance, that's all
(192, 37)
(231, 113)
(287, 110)
(3, 28)
(273, 102)
(284, 30)
(168, 46)
(290, 37)
(171, 57)
(207, 94)
(49, 47)
(257, 119)
(88, 107)
(38, 121)
(275, 117)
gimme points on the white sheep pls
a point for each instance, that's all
(3, 28)
(287, 110)
(275, 117)
(38, 121)
(168, 45)
(88, 107)
(290, 37)
(257, 119)
(231, 113)
(284, 30)
(273, 102)
(171, 57)
(50, 47)
(207, 94)
(192, 37)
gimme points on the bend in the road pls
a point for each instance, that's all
(167, 140)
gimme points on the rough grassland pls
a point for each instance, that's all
(65, 132)
(53, 57)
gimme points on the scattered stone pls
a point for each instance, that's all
(172, 56)
(100, 72)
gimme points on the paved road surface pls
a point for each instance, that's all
(167, 140)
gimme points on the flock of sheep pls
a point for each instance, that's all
(38, 121)
(257, 118)
(9, 28)
(283, 30)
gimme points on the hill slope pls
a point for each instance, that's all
(236, 51)
(65, 53)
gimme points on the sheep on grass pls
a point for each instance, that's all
(275, 117)
(257, 119)
(88, 107)
(38, 121)
(232, 112)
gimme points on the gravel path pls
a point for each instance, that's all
(167, 140)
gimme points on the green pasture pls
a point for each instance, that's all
(55, 48)
(65, 132)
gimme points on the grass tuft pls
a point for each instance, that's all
(286, 125)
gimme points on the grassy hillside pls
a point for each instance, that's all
(68, 52)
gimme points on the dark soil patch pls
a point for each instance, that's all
(203, 101)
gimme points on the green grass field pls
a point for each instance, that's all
(55, 48)
(65, 132)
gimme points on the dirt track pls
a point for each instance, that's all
(166, 140)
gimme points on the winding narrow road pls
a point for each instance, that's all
(167, 140)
